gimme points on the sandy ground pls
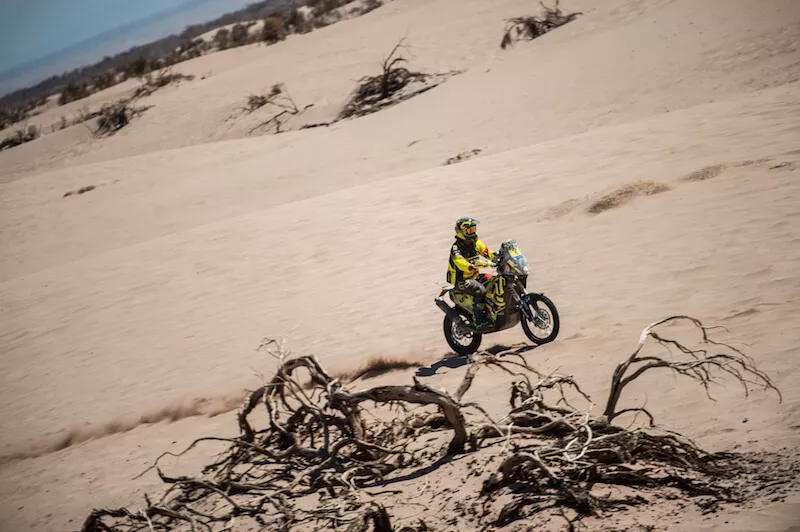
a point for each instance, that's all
(153, 290)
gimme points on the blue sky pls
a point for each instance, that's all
(32, 29)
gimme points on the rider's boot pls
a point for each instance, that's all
(481, 321)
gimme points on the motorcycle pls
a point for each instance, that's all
(508, 303)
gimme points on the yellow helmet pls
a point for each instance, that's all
(467, 229)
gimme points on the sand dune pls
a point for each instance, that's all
(199, 240)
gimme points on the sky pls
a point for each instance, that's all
(34, 29)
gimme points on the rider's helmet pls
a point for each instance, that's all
(467, 229)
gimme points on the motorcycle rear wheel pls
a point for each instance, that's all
(547, 314)
(461, 340)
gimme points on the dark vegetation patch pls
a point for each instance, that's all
(394, 84)
(78, 192)
(20, 136)
(527, 28)
(463, 156)
(280, 18)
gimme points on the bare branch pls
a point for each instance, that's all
(701, 364)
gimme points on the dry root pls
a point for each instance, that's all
(316, 438)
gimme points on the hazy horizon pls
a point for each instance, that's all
(33, 34)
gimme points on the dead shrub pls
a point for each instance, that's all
(387, 88)
(278, 100)
(750, 162)
(222, 38)
(12, 115)
(625, 194)
(273, 30)
(709, 172)
(255, 101)
(370, 5)
(153, 81)
(186, 51)
(463, 156)
(531, 27)
(104, 80)
(20, 136)
(295, 21)
(240, 34)
(73, 92)
(115, 115)
(84, 115)
(367, 6)
(237, 35)
(327, 10)
(78, 192)
(136, 67)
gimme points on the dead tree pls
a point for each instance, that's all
(418, 394)
(575, 450)
(702, 364)
(316, 437)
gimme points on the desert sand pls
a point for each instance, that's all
(149, 295)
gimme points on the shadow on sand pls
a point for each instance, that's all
(454, 361)
(421, 472)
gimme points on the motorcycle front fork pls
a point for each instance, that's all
(529, 313)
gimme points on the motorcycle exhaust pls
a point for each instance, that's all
(448, 310)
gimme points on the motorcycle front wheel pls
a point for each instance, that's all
(545, 324)
(460, 339)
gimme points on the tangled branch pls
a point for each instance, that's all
(297, 440)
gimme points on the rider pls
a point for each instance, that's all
(461, 271)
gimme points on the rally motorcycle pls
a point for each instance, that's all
(508, 303)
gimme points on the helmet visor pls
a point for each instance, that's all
(471, 230)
